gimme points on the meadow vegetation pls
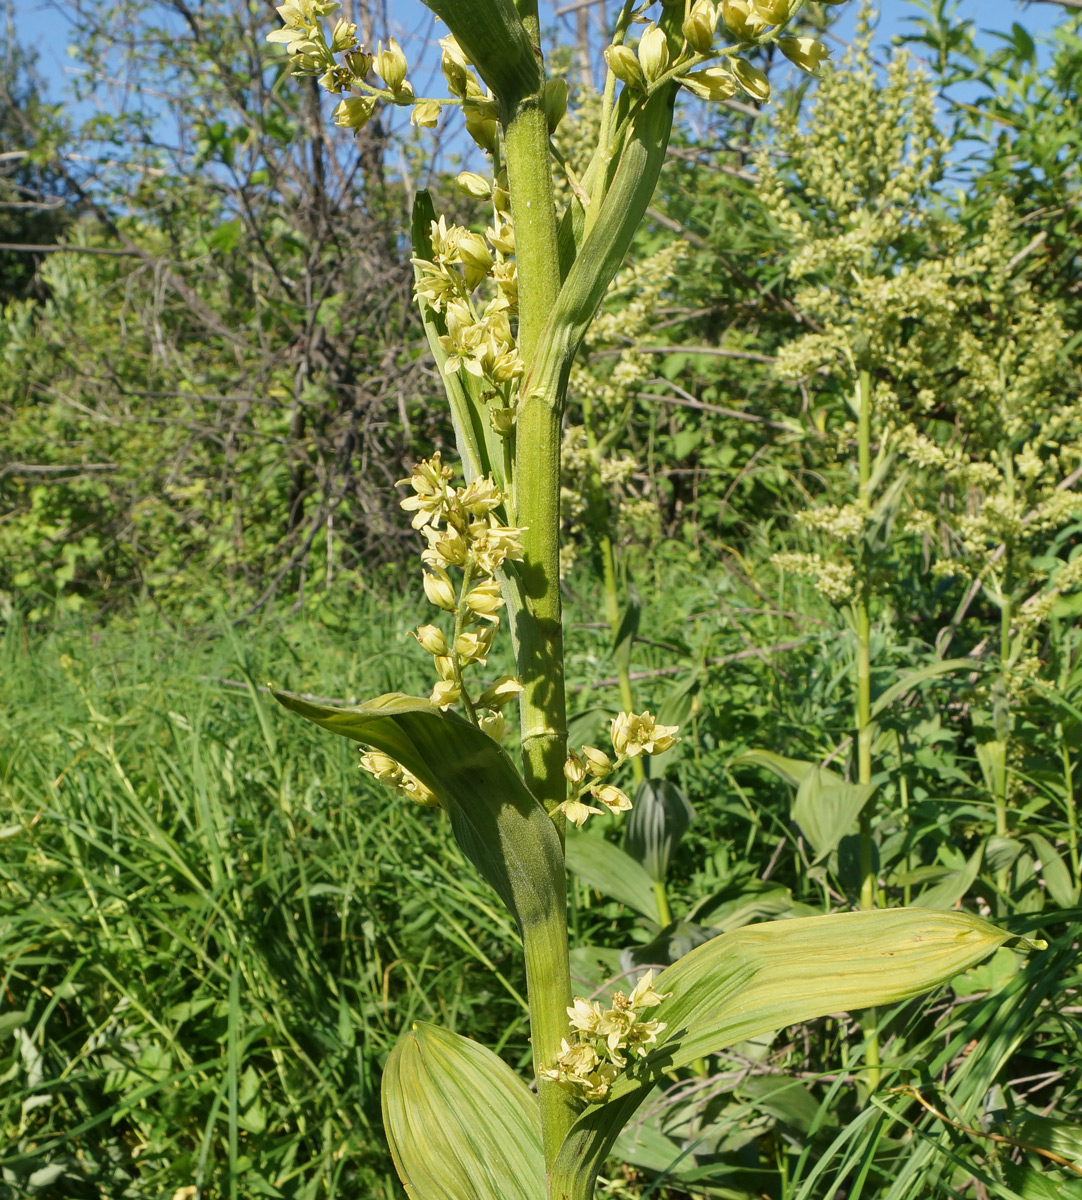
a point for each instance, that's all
(820, 510)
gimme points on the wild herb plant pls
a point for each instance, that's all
(959, 400)
(506, 311)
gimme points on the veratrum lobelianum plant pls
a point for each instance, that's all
(505, 312)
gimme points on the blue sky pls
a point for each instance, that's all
(41, 23)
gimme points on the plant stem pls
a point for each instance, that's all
(542, 711)
(869, 1019)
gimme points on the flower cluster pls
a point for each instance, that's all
(601, 1040)
(464, 535)
(632, 734)
(341, 64)
(479, 339)
(387, 771)
(750, 22)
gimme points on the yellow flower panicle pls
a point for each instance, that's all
(464, 534)
(633, 734)
(601, 1040)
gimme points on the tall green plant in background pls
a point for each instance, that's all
(936, 352)
(506, 312)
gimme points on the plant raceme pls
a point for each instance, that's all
(505, 311)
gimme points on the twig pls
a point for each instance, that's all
(1058, 1159)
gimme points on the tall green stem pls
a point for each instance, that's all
(542, 713)
(864, 730)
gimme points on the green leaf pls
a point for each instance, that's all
(954, 887)
(497, 821)
(791, 770)
(496, 42)
(461, 1124)
(912, 678)
(765, 977)
(827, 807)
(1057, 877)
(604, 866)
(1060, 1137)
(659, 819)
(636, 162)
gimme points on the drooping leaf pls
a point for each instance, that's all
(912, 679)
(606, 867)
(826, 806)
(497, 821)
(790, 770)
(765, 977)
(659, 819)
(460, 1123)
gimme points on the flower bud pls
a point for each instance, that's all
(354, 111)
(431, 639)
(740, 20)
(625, 66)
(344, 36)
(555, 102)
(806, 52)
(391, 64)
(426, 114)
(359, 63)
(446, 693)
(439, 590)
(653, 52)
(612, 798)
(445, 666)
(473, 185)
(500, 693)
(598, 762)
(474, 645)
(712, 83)
(381, 765)
(485, 599)
(491, 723)
(502, 420)
(454, 65)
(574, 769)
(699, 26)
(774, 12)
(751, 79)
(476, 257)
(481, 124)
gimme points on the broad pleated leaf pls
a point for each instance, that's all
(659, 819)
(765, 977)
(611, 871)
(460, 1123)
(826, 806)
(499, 824)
